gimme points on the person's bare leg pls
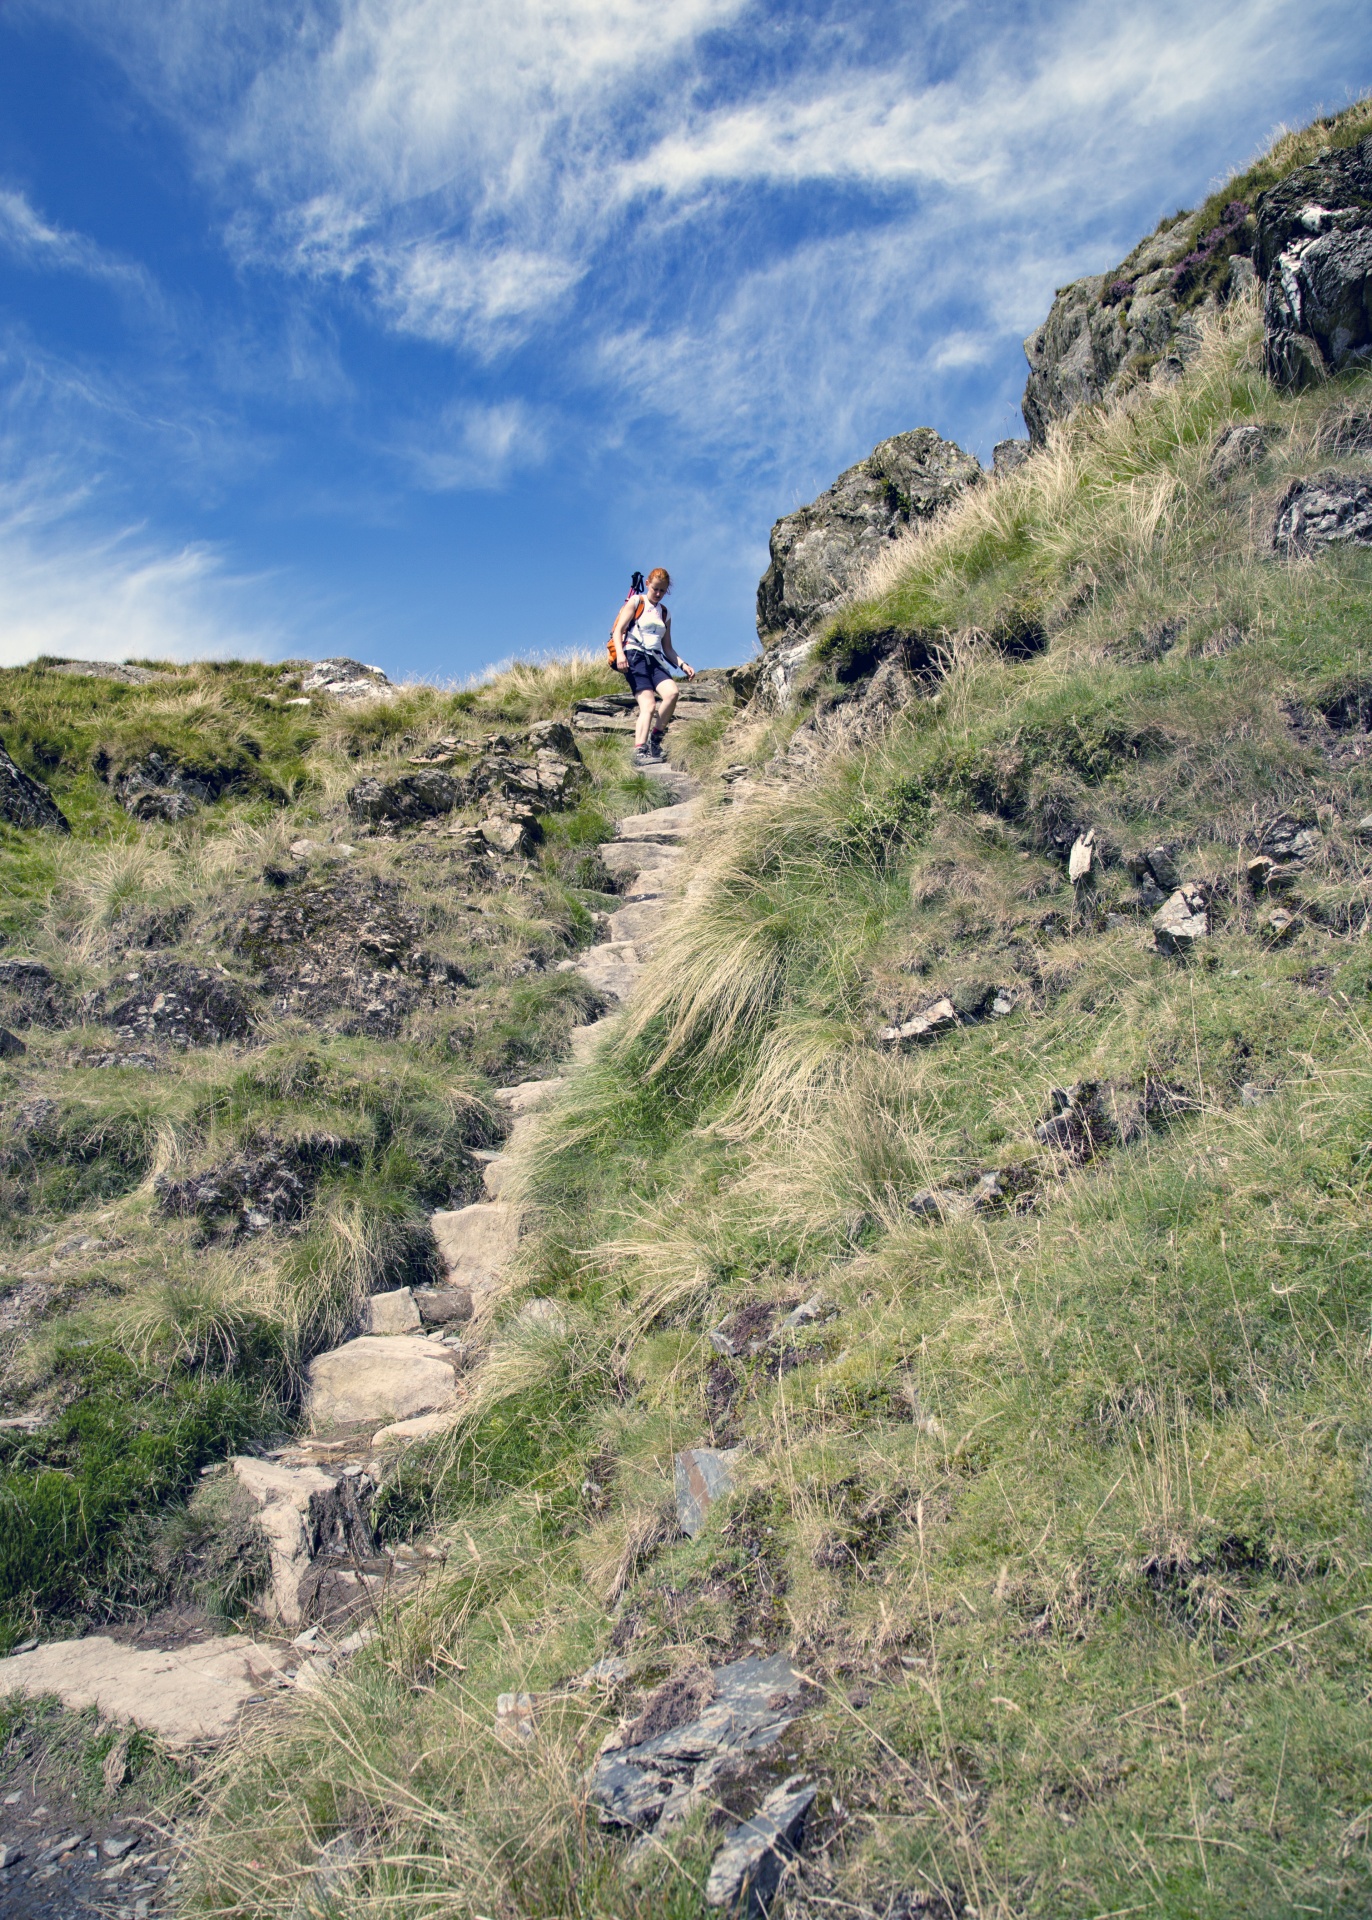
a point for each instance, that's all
(643, 726)
(666, 706)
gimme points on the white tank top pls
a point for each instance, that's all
(649, 630)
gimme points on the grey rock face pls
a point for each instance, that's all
(747, 1869)
(1006, 455)
(30, 994)
(1326, 510)
(819, 553)
(405, 801)
(1314, 250)
(1102, 331)
(26, 802)
(674, 1748)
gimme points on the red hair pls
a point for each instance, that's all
(660, 573)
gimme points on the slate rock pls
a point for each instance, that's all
(510, 832)
(443, 1306)
(11, 1046)
(1325, 510)
(634, 1778)
(184, 1006)
(406, 800)
(703, 1475)
(747, 1870)
(819, 552)
(159, 787)
(26, 802)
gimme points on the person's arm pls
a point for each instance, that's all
(618, 631)
(673, 658)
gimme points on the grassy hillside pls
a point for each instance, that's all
(1062, 1499)
(351, 997)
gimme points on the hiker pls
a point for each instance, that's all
(644, 653)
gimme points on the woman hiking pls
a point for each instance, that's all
(644, 653)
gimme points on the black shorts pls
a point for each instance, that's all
(645, 675)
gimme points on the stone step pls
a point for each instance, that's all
(188, 1697)
(283, 1495)
(611, 969)
(585, 1040)
(529, 1095)
(665, 824)
(637, 855)
(636, 923)
(477, 1244)
(495, 1174)
(378, 1378)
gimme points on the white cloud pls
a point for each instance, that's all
(118, 597)
(474, 447)
(28, 237)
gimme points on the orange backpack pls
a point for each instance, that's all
(634, 593)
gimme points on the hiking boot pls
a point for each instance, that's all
(657, 740)
(645, 757)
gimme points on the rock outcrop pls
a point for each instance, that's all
(344, 679)
(818, 554)
(1314, 251)
(1324, 510)
(26, 802)
(1307, 239)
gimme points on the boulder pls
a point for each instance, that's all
(1008, 455)
(106, 670)
(376, 1379)
(1325, 510)
(935, 1020)
(1314, 253)
(26, 802)
(31, 993)
(406, 800)
(1237, 447)
(747, 1870)
(391, 1313)
(819, 553)
(511, 831)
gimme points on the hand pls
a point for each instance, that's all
(689, 672)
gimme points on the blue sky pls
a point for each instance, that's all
(406, 328)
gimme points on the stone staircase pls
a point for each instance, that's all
(404, 1377)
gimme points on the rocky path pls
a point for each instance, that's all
(404, 1377)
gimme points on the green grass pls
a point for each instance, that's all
(1066, 1506)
